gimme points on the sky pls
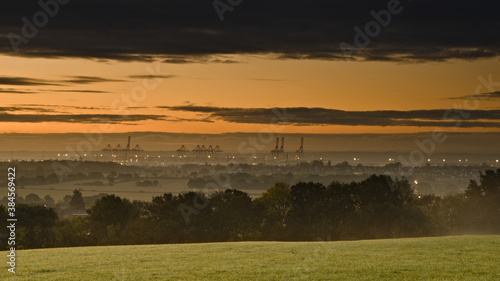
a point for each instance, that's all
(329, 68)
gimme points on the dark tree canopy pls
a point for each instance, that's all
(76, 202)
(377, 207)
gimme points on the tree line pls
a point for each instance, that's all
(377, 207)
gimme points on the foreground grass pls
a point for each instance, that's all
(442, 258)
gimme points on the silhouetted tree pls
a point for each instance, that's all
(275, 203)
(232, 214)
(111, 178)
(76, 202)
(167, 222)
(377, 207)
(49, 201)
(35, 226)
(483, 203)
(108, 216)
(307, 213)
(111, 209)
(278, 201)
(452, 213)
(3, 238)
(72, 232)
(33, 199)
(341, 205)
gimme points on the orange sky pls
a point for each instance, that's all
(256, 81)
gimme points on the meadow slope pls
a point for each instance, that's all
(440, 258)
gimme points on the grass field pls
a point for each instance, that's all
(442, 258)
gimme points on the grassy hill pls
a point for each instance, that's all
(441, 258)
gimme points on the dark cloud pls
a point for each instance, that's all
(89, 80)
(15, 91)
(179, 61)
(18, 91)
(151, 76)
(137, 107)
(79, 118)
(78, 91)
(190, 31)
(49, 106)
(22, 108)
(24, 81)
(223, 61)
(302, 116)
(197, 59)
(483, 96)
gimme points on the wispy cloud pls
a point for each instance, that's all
(15, 91)
(78, 91)
(151, 76)
(483, 96)
(304, 116)
(32, 82)
(58, 106)
(25, 108)
(198, 59)
(79, 118)
(90, 80)
(25, 81)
